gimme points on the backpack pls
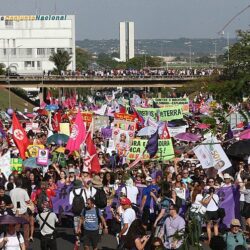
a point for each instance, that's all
(78, 203)
(42, 197)
(100, 198)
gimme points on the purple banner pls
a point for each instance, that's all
(61, 200)
(106, 133)
(229, 200)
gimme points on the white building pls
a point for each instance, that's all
(26, 42)
(127, 41)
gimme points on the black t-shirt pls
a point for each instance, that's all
(6, 199)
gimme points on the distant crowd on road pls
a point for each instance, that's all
(134, 73)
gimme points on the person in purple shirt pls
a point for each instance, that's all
(174, 224)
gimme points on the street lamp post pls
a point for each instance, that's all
(190, 56)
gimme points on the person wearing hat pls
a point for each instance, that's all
(130, 191)
(227, 180)
(127, 217)
(72, 176)
(234, 237)
(47, 221)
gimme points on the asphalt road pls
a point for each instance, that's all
(65, 241)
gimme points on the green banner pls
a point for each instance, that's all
(166, 102)
(165, 150)
(16, 164)
(165, 114)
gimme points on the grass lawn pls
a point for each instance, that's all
(16, 102)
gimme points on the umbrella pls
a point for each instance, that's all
(9, 219)
(147, 131)
(189, 137)
(58, 138)
(239, 148)
(245, 135)
(203, 126)
(31, 163)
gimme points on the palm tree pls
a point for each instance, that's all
(61, 59)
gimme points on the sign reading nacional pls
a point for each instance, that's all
(34, 18)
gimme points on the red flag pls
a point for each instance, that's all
(57, 120)
(78, 134)
(19, 136)
(92, 155)
(49, 96)
(165, 134)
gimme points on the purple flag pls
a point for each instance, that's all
(152, 145)
(230, 134)
(230, 201)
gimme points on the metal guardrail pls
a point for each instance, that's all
(100, 78)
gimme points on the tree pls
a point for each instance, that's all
(83, 59)
(239, 57)
(140, 62)
(2, 71)
(61, 59)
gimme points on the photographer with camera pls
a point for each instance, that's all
(211, 201)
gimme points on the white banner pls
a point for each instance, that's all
(5, 164)
(173, 131)
(212, 155)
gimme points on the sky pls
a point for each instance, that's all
(154, 19)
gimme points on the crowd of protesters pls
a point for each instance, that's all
(152, 205)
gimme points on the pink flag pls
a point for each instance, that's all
(78, 134)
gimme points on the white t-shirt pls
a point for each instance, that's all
(128, 217)
(131, 193)
(197, 207)
(90, 192)
(211, 206)
(51, 220)
(12, 243)
(19, 195)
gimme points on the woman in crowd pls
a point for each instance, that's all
(12, 239)
(211, 201)
(136, 238)
(11, 180)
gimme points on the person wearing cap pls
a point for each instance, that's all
(47, 222)
(234, 237)
(172, 225)
(128, 216)
(72, 176)
(149, 202)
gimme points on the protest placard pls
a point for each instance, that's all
(162, 114)
(64, 128)
(165, 149)
(211, 154)
(43, 157)
(5, 164)
(168, 102)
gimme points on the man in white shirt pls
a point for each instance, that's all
(20, 199)
(127, 217)
(47, 221)
(130, 191)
